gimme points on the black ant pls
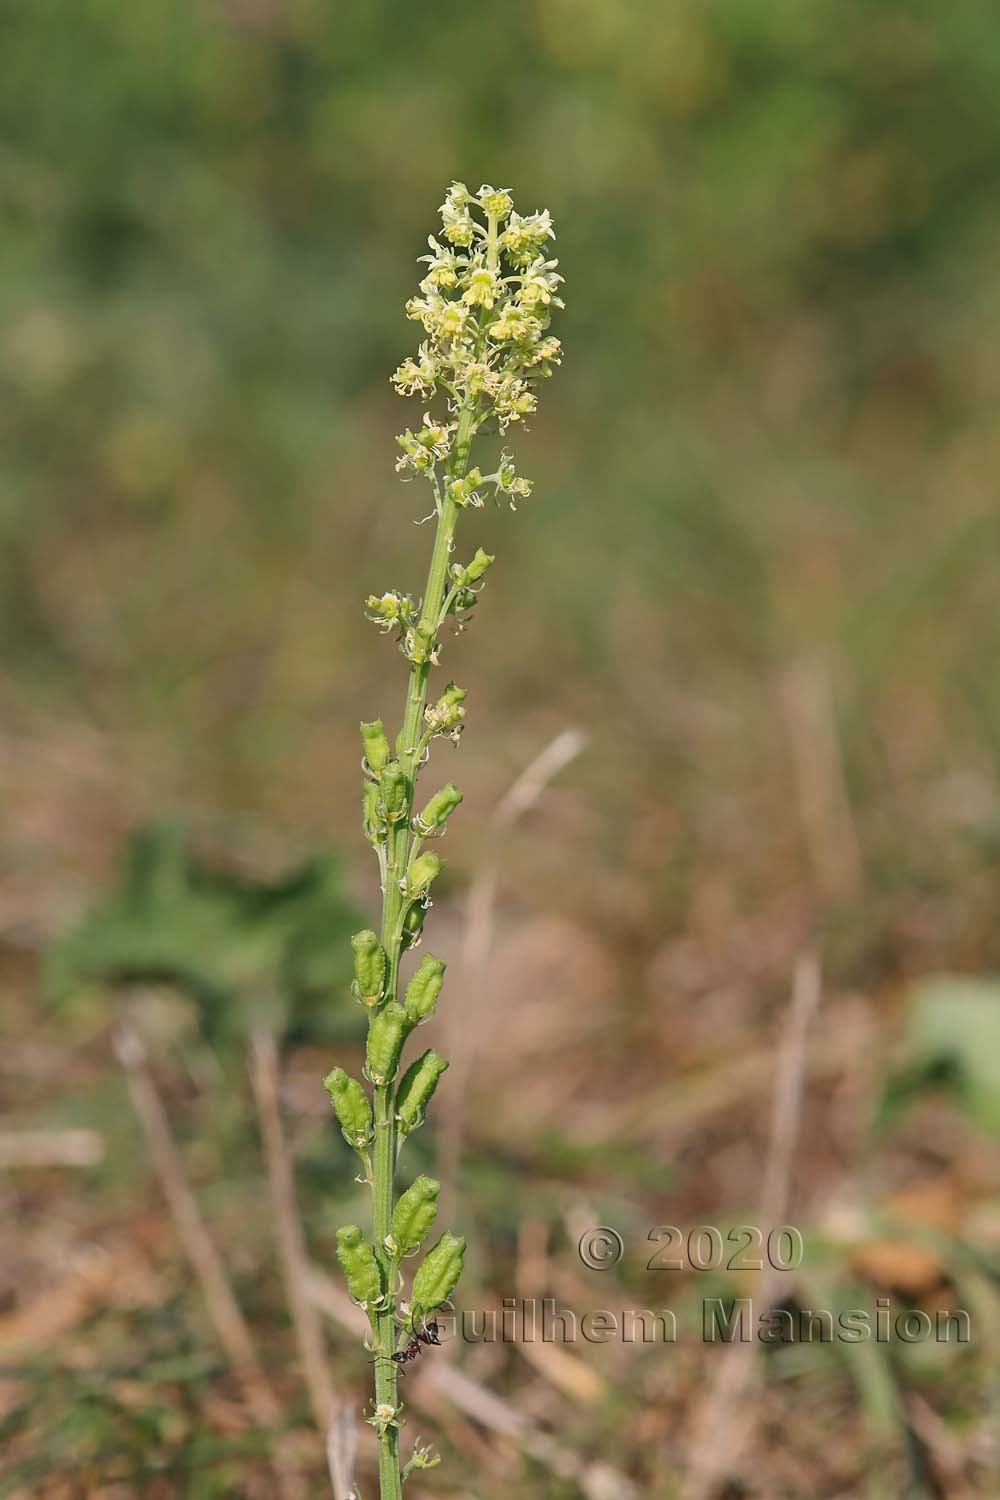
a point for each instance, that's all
(429, 1333)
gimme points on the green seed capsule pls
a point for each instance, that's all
(369, 967)
(364, 1279)
(386, 1035)
(373, 737)
(423, 989)
(417, 1089)
(413, 924)
(422, 643)
(371, 816)
(439, 809)
(438, 1274)
(415, 1213)
(395, 792)
(423, 872)
(478, 566)
(352, 1108)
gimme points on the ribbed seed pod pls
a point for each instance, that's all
(417, 1089)
(413, 925)
(438, 1274)
(423, 989)
(352, 1108)
(376, 744)
(371, 814)
(415, 1213)
(386, 1036)
(369, 966)
(422, 874)
(477, 567)
(395, 792)
(422, 643)
(438, 810)
(356, 1256)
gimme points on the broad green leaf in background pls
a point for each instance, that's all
(952, 1040)
(218, 937)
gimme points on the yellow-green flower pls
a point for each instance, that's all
(496, 202)
(480, 288)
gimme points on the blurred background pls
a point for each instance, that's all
(759, 574)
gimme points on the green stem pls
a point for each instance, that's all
(399, 850)
(386, 1373)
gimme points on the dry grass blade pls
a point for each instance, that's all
(722, 1426)
(292, 1250)
(341, 1447)
(228, 1322)
(50, 1148)
(825, 813)
(520, 797)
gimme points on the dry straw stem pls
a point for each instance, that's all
(334, 1429)
(521, 797)
(50, 1148)
(722, 1426)
(231, 1328)
(828, 829)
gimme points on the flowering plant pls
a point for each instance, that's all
(485, 304)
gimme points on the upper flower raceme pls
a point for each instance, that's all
(485, 304)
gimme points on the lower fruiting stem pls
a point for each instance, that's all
(393, 902)
(386, 1372)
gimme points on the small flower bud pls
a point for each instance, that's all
(415, 1213)
(369, 967)
(352, 1108)
(373, 737)
(395, 792)
(423, 989)
(478, 566)
(386, 1035)
(356, 1256)
(416, 1090)
(438, 1274)
(422, 874)
(439, 809)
